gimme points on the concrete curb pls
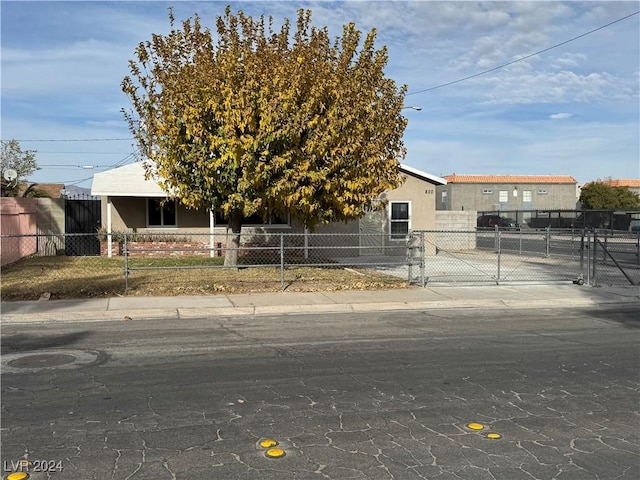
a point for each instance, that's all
(200, 312)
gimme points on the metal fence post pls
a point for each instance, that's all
(282, 260)
(498, 242)
(582, 255)
(595, 256)
(548, 242)
(588, 258)
(410, 257)
(520, 238)
(422, 260)
(126, 264)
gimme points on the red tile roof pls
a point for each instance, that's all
(538, 179)
(623, 182)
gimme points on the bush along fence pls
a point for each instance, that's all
(422, 257)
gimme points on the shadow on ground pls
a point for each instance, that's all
(627, 316)
(25, 343)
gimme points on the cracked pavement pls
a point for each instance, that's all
(347, 396)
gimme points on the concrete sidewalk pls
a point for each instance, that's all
(485, 296)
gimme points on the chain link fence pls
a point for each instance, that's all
(286, 258)
(587, 256)
(499, 257)
(612, 258)
(175, 263)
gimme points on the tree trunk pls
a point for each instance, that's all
(233, 239)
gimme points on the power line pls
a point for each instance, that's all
(83, 153)
(119, 163)
(74, 140)
(76, 182)
(523, 58)
(85, 167)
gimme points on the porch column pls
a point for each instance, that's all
(109, 238)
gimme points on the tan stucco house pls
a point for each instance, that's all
(133, 203)
(632, 184)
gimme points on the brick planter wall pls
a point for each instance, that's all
(116, 249)
(150, 249)
(171, 249)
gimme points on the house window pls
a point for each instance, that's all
(399, 222)
(504, 196)
(526, 196)
(542, 191)
(487, 191)
(161, 212)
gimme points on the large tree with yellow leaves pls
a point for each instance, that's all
(261, 121)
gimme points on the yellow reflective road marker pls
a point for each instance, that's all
(17, 476)
(268, 443)
(475, 426)
(275, 453)
(494, 436)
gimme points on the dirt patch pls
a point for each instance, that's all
(92, 277)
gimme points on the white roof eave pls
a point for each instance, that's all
(130, 181)
(424, 175)
(126, 181)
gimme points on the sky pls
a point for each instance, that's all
(538, 101)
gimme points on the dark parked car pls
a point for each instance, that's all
(492, 221)
(508, 224)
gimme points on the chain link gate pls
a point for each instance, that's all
(610, 258)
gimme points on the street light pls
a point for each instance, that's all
(417, 108)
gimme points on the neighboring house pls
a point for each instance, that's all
(45, 190)
(617, 220)
(507, 192)
(131, 202)
(36, 190)
(632, 183)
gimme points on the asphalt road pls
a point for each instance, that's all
(376, 396)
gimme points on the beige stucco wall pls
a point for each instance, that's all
(129, 214)
(470, 196)
(50, 216)
(50, 219)
(421, 194)
(455, 230)
(456, 220)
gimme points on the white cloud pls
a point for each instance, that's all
(569, 60)
(87, 65)
(585, 151)
(557, 87)
(560, 116)
(63, 79)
